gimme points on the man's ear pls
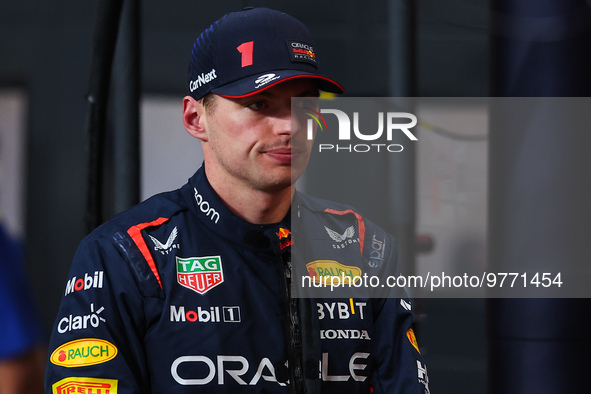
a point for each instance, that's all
(193, 118)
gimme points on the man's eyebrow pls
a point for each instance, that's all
(310, 93)
(314, 92)
(264, 94)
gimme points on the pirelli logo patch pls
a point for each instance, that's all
(200, 274)
(85, 385)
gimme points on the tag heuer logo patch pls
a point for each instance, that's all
(199, 274)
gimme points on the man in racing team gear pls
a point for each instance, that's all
(191, 290)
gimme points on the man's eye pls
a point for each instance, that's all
(307, 103)
(257, 105)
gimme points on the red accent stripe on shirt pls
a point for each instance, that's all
(359, 222)
(135, 232)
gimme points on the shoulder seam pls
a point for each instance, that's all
(360, 223)
(135, 232)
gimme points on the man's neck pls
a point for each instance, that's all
(254, 206)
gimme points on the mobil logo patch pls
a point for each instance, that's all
(199, 274)
(83, 352)
(88, 282)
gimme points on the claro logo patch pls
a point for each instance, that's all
(85, 385)
(83, 352)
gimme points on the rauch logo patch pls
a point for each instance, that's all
(83, 352)
(200, 274)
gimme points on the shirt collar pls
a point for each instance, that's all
(217, 217)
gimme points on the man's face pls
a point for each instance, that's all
(253, 142)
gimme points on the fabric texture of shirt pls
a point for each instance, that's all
(180, 295)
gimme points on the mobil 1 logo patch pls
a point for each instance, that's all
(199, 274)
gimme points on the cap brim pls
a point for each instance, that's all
(249, 86)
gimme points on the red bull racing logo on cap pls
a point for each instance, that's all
(200, 274)
(302, 52)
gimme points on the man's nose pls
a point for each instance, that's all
(285, 123)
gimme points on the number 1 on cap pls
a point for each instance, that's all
(245, 50)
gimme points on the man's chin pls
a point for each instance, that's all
(297, 168)
(295, 175)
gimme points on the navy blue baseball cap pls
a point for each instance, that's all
(249, 51)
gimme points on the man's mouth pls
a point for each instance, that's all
(281, 155)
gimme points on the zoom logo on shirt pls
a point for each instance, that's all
(205, 208)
